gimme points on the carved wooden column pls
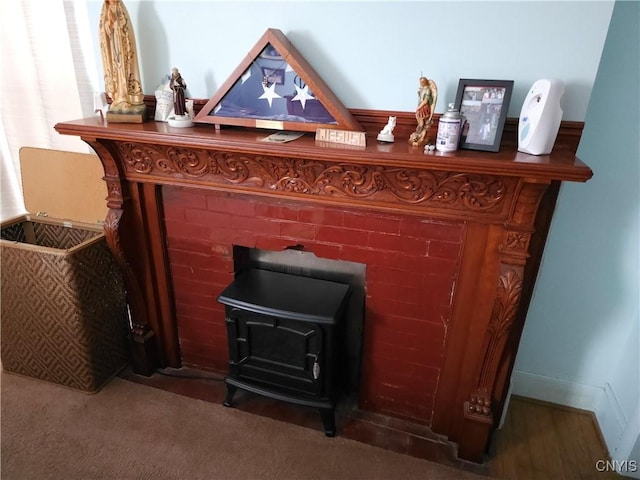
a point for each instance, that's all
(119, 229)
(480, 408)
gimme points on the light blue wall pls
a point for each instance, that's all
(372, 53)
(583, 323)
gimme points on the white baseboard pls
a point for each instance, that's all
(619, 433)
(556, 390)
(610, 419)
(623, 452)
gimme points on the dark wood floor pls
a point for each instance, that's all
(538, 440)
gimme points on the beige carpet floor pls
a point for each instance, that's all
(131, 431)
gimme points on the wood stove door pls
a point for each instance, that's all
(285, 354)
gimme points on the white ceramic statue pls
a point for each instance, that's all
(386, 134)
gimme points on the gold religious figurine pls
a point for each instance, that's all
(427, 96)
(120, 64)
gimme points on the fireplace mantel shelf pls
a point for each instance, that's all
(487, 213)
(560, 165)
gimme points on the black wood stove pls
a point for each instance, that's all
(283, 335)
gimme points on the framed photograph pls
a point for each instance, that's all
(484, 105)
(273, 75)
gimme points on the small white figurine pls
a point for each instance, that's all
(164, 100)
(386, 134)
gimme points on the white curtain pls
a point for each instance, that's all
(48, 75)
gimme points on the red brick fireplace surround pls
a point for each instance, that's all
(411, 264)
(451, 243)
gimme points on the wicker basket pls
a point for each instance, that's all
(63, 308)
(63, 305)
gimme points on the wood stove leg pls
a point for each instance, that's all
(231, 390)
(328, 421)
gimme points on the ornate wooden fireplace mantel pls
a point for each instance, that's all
(502, 202)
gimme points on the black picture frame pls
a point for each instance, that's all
(484, 104)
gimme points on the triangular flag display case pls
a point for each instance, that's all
(276, 88)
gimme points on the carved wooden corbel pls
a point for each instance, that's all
(144, 355)
(143, 351)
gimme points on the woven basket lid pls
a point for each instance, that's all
(63, 185)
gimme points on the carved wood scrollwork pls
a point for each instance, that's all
(514, 254)
(134, 292)
(111, 227)
(516, 241)
(502, 317)
(112, 236)
(141, 333)
(478, 407)
(520, 226)
(529, 197)
(461, 191)
(115, 191)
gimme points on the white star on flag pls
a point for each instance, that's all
(246, 75)
(269, 93)
(303, 95)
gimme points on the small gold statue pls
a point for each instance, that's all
(120, 64)
(427, 96)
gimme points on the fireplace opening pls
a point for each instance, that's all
(294, 328)
(296, 260)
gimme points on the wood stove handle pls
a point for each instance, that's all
(315, 370)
